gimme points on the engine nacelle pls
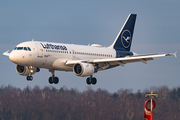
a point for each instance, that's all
(26, 71)
(83, 69)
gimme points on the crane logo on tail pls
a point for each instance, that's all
(126, 38)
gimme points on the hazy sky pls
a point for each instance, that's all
(83, 22)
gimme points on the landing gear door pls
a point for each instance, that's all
(40, 51)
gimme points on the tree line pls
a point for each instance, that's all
(51, 103)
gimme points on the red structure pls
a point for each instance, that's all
(149, 106)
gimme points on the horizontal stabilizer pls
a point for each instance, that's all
(6, 53)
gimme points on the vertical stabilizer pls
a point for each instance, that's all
(124, 38)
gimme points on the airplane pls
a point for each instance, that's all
(83, 60)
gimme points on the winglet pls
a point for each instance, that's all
(6, 53)
(175, 54)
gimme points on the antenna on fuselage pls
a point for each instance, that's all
(33, 39)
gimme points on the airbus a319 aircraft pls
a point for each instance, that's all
(83, 60)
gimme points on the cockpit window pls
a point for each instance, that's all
(29, 49)
(22, 48)
(19, 48)
(15, 48)
(25, 48)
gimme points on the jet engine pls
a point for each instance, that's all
(83, 69)
(26, 71)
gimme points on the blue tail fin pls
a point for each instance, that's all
(124, 38)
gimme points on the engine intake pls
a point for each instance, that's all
(83, 69)
(26, 71)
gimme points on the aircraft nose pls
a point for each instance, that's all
(13, 57)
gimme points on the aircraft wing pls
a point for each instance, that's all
(123, 60)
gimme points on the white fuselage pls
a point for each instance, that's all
(44, 54)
